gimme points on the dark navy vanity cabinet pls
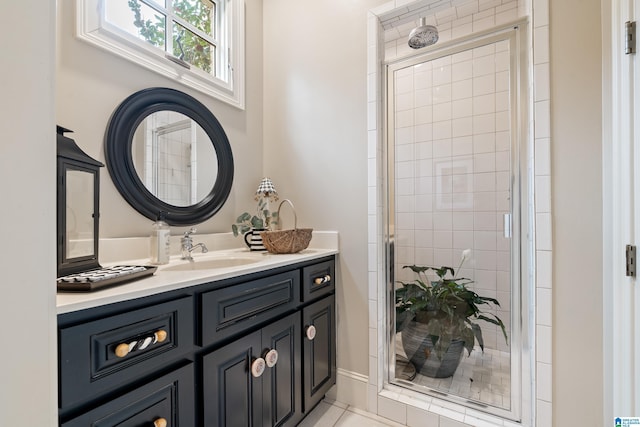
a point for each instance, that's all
(254, 350)
(237, 396)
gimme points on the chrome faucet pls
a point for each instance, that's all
(186, 243)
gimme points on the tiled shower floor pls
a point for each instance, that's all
(482, 377)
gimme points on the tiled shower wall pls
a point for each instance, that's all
(383, 43)
(453, 172)
(453, 18)
(172, 163)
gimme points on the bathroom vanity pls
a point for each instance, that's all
(248, 343)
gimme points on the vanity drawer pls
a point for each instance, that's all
(103, 354)
(318, 280)
(169, 398)
(237, 308)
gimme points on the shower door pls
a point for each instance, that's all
(453, 175)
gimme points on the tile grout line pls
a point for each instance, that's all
(344, 411)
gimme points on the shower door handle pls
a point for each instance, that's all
(506, 220)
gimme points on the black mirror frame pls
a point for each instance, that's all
(118, 140)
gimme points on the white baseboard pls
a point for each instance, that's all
(350, 389)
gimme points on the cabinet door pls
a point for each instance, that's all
(319, 351)
(232, 396)
(169, 398)
(282, 385)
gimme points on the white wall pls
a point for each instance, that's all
(91, 83)
(28, 392)
(576, 156)
(315, 138)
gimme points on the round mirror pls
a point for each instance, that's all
(174, 158)
(166, 152)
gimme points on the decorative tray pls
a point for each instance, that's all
(101, 278)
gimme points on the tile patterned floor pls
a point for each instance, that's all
(483, 376)
(336, 414)
(489, 371)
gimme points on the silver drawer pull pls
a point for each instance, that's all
(321, 280)
(125, 348)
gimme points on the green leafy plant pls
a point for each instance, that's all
(264, 219)
(446, 306)
(186, 44)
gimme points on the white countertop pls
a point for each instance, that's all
(166, 278)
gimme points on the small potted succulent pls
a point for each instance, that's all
(438, 319)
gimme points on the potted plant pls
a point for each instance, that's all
(250, 226)
(264, 219)
(438, 319)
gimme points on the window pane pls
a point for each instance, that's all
(162, 3)
(198, 13)
(193, 49)
(138, 19)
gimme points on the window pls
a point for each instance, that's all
(197, 42)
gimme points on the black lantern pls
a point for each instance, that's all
(78, 210)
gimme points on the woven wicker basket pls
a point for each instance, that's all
(287, 241)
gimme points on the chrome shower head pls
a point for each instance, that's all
(423, 35)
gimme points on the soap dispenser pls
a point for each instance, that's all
(160, 245)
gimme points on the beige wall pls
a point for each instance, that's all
(315, 149)
(28, 391)
(315, 138)
(314, 93)
(576, 156)
(91, 83)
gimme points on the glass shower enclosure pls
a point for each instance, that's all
(453, 172)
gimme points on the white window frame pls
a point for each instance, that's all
(91, 27)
